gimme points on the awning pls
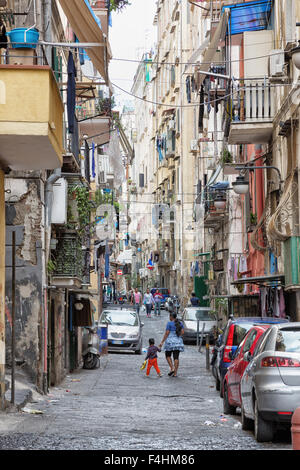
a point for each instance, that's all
(86, 28)
(250, 16)
(210, 53)
(260, 280)
(97, 130)
(195, 57)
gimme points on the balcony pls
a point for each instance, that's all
(216, 205)
(100, 8)
(67, 261)
(251, 113)
(31, 118)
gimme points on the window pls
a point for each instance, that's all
(249, 341)
(239, 332)
(288, 340)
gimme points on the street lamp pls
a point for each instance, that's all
(220, 201)
(241, 186)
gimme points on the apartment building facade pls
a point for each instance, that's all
(224, 113)
(48, 166)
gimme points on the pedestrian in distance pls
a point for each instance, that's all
(137, 299)
(152, 358)
(148, 302)
(194, 300)
(157, 300)
(173, 343)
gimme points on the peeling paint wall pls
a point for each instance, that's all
(24, 215)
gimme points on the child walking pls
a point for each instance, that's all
(152, 358)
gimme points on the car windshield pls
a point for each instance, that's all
(288, 340)
(119, 318)
(201, 315)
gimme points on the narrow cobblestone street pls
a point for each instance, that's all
(118, 408)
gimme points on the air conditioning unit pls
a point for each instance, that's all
(194, 145)
(277, 65)
(59, 213)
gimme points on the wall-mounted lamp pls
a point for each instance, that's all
(220, 202)
(240, 186)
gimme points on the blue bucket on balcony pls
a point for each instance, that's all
(23, 38)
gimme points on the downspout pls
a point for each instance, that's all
(47, 15)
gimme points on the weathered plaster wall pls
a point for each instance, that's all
(24, 216)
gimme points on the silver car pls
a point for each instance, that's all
(190, 317)
(270, 386)
(124, 330)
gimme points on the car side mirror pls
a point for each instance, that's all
(247, 356)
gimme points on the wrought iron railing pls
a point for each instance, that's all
(68, 258)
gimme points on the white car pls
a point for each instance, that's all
(124, 330)
(190, 318)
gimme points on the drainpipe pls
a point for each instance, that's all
(48, 212)
(2, 292)
(48, 28)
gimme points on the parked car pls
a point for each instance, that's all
(124, 330)
(164, 292)
(234, 332)
(190, 318)
(232, 380)
(270, 386)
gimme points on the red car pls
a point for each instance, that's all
(232, 380)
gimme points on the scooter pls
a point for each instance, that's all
(175, 304)
(90, 349)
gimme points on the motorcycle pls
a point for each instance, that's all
(90, 349)
(174, 304)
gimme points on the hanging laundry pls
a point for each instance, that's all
(93, 161)
(188, 89)
(3, 36)
(282, 313)
(201, 109)
(263, 297)
(71, 92)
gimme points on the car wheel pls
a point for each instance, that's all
(263, 430)
(227, 408)
(247, 423)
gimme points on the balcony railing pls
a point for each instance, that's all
(100, 3)
(102, 108)
(251, 110)
(68, 258)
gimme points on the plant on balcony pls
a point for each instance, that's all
(253, 218)
(118, 5)
(79, 209)
(226, 157)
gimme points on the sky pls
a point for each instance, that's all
(132, 34)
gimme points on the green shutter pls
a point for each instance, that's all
(200, 289)
(292, 261)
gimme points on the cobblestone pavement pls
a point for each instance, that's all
(117, 407)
